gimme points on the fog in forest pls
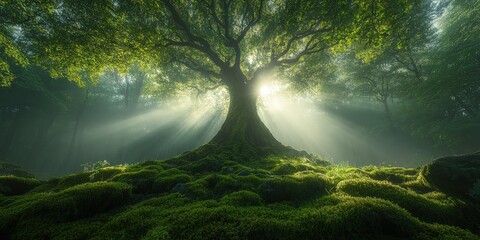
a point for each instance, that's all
(108, 122)
(349, 94)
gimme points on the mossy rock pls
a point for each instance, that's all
(455, 175)
(12, 185)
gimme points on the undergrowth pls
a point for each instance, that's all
(225, 196)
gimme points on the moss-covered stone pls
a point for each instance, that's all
(456, 175)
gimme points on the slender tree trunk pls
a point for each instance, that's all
(76, 128)
(388, 114)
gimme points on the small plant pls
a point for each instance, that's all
(87, 167)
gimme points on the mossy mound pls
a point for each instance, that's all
(457, 175)
(217, 197)
(11, 185)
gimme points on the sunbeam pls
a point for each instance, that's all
(306, 124)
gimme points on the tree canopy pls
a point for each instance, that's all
(80, 39)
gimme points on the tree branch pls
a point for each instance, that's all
(194, 41)
(198, 68)
(308, 48)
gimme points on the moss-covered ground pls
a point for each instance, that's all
(226, 196)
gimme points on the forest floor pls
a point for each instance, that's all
(222, 197)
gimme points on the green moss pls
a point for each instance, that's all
(11, 185)
(273, 198)
(339, 173)
(44, 229)
(133, 223)
(102, 174)
(205, 165)
(285, 169)
(426, 209)
(87, 228)
(444, 232)
(358, 218)
(157, 233)
(242, 198)
(142, 180)
(195, 190)
(392, 174)
(294, 188)
(417, 186)
(163, 184)
(85, 200)
(172, 200)
(166, 183)
(249, 182)
(72, 179)
(106, 173)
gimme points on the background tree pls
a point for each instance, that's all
(448, 100)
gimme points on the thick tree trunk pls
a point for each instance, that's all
(243, 126)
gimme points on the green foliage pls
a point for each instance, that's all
(11, 185)
(449, 97)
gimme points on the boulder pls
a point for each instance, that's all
(455, 175)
